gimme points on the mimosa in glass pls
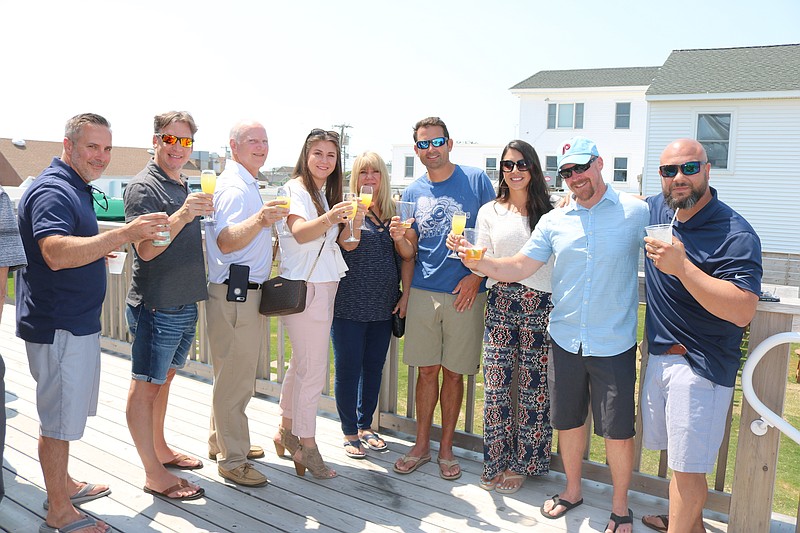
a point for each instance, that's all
(208, 182)
(366, 199)
(353, 199)
(459, 221)
(285, 195)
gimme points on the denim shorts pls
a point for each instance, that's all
(162, 339)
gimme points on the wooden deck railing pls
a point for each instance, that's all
(755, 461)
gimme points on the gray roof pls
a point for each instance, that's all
(593, 77)
(729, 70)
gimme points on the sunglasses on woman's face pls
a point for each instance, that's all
(508, 165)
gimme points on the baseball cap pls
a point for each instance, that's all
(577, 151)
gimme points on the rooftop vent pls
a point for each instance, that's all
(18, 142)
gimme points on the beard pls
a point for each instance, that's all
(689, 201)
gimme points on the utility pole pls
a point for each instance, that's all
(344, 140)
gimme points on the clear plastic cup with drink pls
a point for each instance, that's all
(661, 232)
(405, 210)
(472, 250)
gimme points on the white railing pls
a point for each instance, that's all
(769, 418)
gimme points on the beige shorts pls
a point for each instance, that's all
(436, 334)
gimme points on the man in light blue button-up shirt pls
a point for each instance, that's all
(596, 242)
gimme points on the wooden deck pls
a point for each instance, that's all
(367, 495)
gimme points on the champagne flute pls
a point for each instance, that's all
(285, 195)
(459, 221)
(366, 199)
(208, 182)
(353, 199)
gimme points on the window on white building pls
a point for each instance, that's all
(622, 120)
(714, 133)
(409, 171)
(563, 116)
(620, 169)
(491, 168)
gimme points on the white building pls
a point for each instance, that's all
(743, 104)
(606, 105)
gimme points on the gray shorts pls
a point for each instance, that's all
(683, 413)
(67, 375)
(611, 381)
(437, 334)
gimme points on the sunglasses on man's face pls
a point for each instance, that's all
(437, 142)
(508, 165)
(690, 168)
(577, 169)
(186, 142)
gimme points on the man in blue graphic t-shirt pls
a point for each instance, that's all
(444, 327)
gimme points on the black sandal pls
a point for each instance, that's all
(619, 520)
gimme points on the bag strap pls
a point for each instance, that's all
(275, 251)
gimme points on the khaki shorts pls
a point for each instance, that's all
(436, 334)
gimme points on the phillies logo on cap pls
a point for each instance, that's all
(565, 148)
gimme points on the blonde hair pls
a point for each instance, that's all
(384, 197)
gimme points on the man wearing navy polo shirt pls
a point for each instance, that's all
(702, 290)
(59, 296)
(596, 242)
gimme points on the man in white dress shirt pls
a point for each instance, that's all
(240, 238)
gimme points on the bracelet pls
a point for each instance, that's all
(328, 219)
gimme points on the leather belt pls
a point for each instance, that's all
(250, 285)
(676, 349)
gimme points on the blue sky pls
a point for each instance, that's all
(378, 66)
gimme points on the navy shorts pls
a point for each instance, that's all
(611, 381)
(162, 339)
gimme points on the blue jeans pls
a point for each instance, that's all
(162, 339)
(359, 351)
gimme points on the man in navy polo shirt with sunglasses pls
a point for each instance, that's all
(702, 290)
(59, 297)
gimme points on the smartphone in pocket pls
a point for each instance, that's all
(238, 278)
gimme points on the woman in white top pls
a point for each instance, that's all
(517, 434)
(310, 247)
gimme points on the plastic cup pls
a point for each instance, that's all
(474, 252)
(116, 261)
(406, 211)
(164, 237)
(662, 232)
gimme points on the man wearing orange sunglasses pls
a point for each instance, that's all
(168, 280)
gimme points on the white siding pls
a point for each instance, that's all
(598, 125)
(762, 182)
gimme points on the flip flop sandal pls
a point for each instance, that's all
(176, 463)
(619, 520)
(652, 525)
(449, 463)
(366, 437)
(81, 523)
(511, 490)
(82, 496)
(165, 494)
(415, 461)
(489, 484)
(568, 506)
(355, 444)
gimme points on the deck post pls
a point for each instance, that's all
(757, 457)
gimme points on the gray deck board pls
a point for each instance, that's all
(366, 496)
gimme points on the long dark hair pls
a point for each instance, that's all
(538, 201)
(333, 183)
